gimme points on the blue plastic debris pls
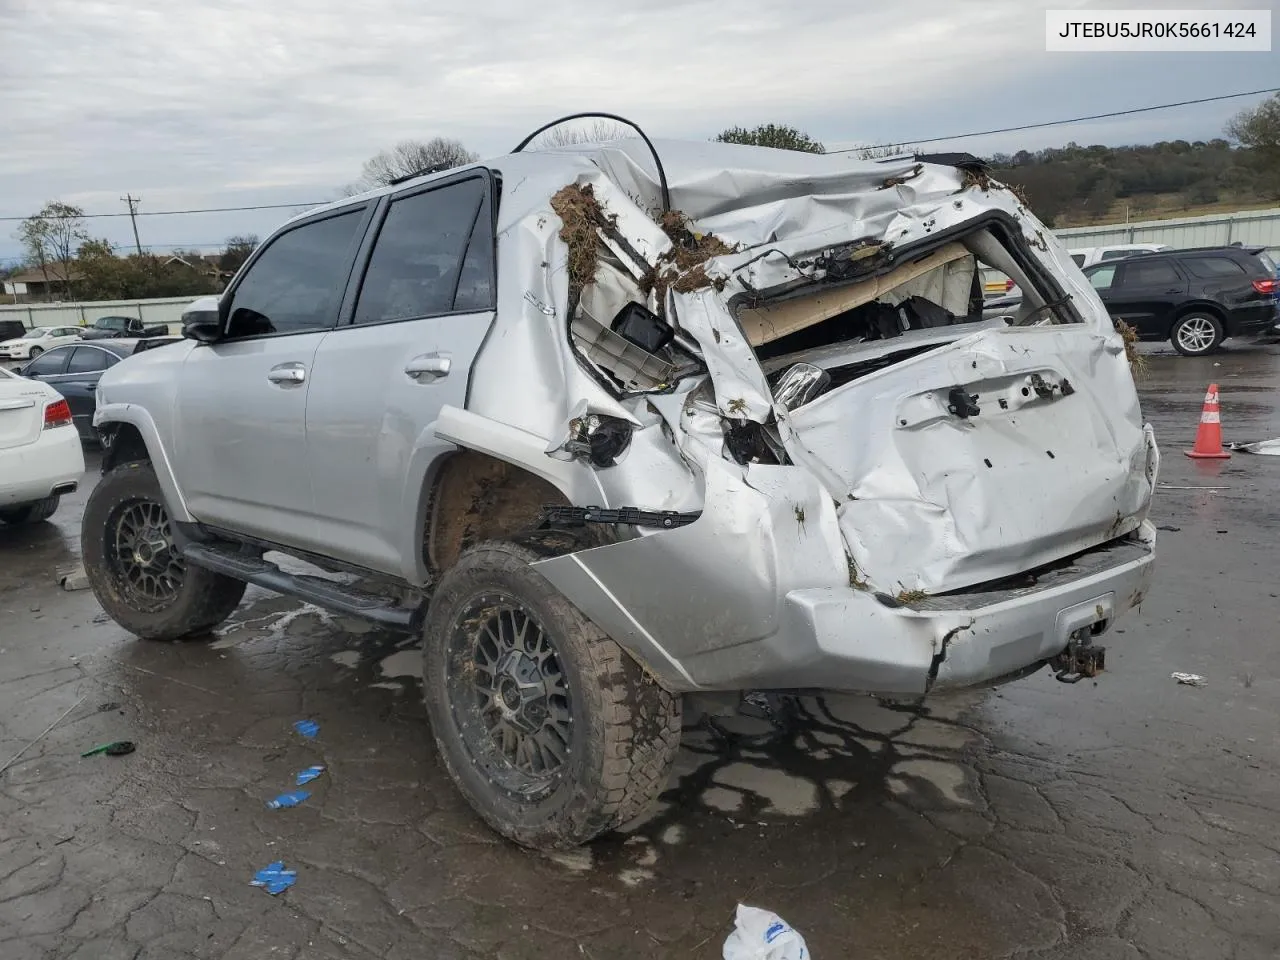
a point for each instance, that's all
(274, 877)
(288, 799)
(309, 774)
(308, 728)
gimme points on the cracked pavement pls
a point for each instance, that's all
(1124, 818)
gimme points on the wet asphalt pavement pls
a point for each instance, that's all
(1126, 818)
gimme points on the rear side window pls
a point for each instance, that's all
(1211, 267)
(1268, 264)
(53, 362)
(433, 255)
(1078, 258)
(89, 360)
(296, 284)
(1149, 273)
(1117, 254)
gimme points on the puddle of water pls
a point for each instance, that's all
(403, 663)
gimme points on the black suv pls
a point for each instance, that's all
(1194, 298)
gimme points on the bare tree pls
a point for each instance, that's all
(236, 252)
(886, 151)
(1258, 130)
(573, 132)
(50, 239)
(409, 157)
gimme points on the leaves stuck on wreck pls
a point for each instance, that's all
(1137, 362)
(683, 267)
(582, 214)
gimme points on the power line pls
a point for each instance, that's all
(1057, 123)
(177, 213)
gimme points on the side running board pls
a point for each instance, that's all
(323, 593)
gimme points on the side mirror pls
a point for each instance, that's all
(204, 326)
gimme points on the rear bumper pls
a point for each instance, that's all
(1252, 320)
(53, 463)
(960, 641)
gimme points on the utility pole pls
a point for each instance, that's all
(132, 201)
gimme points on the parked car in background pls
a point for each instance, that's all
(36, 341)
(12, 330)
(1194, 298)
(40, 455)
(73, 371)
(105, 327)
(1088, 256)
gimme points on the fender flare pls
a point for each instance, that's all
(138, 418)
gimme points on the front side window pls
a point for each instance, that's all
(427, 259)
(1103, 277)
(88, 360)
(1150, 273)
(296, 284)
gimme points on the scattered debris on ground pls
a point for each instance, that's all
(286, 800)
(1266, 448)
(761, 935)
(1189, 679)
(116, 748)
(308, 728)
(274, 878)
(73, 578)
(309, 774)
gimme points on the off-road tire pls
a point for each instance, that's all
(625, 728)
(1203, 322)
(202, 600)
(30, 512)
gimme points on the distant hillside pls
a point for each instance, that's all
(1077, 186)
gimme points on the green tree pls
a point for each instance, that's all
(50, 239)
(1258, 129)
(778, 136)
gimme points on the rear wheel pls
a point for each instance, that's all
(31, 512)
(551, 731)
(1197, 334)
(135, 568)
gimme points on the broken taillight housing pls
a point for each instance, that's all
(57, 414)
(1265, 286)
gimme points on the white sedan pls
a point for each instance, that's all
(40, 454)
(36, 341)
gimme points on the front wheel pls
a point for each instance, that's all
(135, 568)
(33, 353)
(1197, 334)
(552, 732)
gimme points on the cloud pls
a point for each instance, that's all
(220, 103)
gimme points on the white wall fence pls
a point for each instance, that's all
(150, 312)
(1252, 228)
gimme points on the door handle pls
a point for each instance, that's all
(287, 373)
(428, 367)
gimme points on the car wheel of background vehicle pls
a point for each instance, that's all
(134, 566)
(31, 512)
(33, 353)
(1196, 334)
(552, 732)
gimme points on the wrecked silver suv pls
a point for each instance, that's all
(611, 424)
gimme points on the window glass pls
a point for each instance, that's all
(48, 363)
(1150, 273)
(1103, 277)
(1211, 267)
(297, 283)
(421, 258)
(87, 360)
(1078, 258)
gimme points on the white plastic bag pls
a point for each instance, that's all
(761, 935)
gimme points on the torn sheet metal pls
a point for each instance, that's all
(1265, 448)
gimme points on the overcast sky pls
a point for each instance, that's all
(204, 103)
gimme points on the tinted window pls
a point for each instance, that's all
(1150, 273)
(1102, 277)
(88, 360)
(297, 283)
(1116, 254)
(1078, 258)
(421, 260)
(50, 363)
(1268, 265)
(1213, 267)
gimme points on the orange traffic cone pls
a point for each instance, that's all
(1209, 436)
